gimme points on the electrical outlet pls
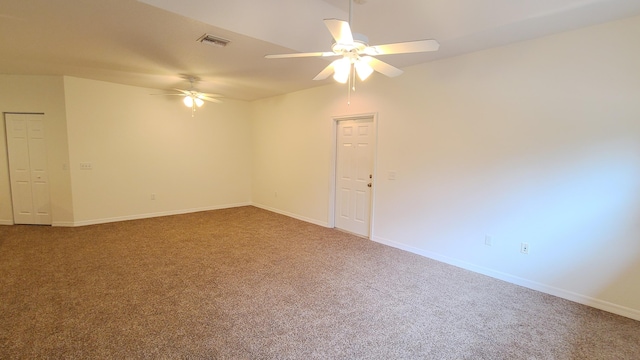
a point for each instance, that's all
(524, 248)
(487, 240)
(153, 196)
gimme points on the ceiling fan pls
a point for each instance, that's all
(354, 52)
(193, 98)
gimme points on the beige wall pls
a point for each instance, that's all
(535, 142)
(38, 94)
(291, 152)
(141, 145)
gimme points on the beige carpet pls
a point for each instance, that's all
(245, 283)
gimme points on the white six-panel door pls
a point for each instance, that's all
(28, 169)
(354, 175)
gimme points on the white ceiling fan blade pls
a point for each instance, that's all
(206, 98)
(209, 95)
(384, 68)
(185, 92)
(298, 55)
(403, 47)
(326, 72)
(340, 30)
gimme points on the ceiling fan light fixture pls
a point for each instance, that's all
(188, 101)
(363, 68)
(342, 70)
(198, 102)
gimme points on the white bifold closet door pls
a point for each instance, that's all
(27, 151)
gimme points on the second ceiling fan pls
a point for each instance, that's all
(354, 52)
(193, 98)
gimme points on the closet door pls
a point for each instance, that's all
(28, 169)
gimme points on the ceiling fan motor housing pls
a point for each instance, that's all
(360, 42)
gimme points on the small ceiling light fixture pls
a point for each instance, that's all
(193, 98)
(342, 70)
(213, 40)
(188, 101)
(363, 68)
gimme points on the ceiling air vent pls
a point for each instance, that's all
(213, 40)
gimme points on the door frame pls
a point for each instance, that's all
(334, 160)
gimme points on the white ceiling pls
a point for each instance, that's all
(152, 43)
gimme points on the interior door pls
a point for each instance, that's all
(28, 169)
(354, 175)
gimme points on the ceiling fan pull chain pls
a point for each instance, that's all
(349, 91)
(353, 74)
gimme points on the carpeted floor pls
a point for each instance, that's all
(245, 283)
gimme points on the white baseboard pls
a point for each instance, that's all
(152, 215)
(6, 222)
(63, 223)
(291, 215)
(568, 295)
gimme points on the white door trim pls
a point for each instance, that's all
(333, 164)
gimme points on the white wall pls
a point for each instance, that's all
(291, 155)
(535, 142)
(38, 94)
(141, 145)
